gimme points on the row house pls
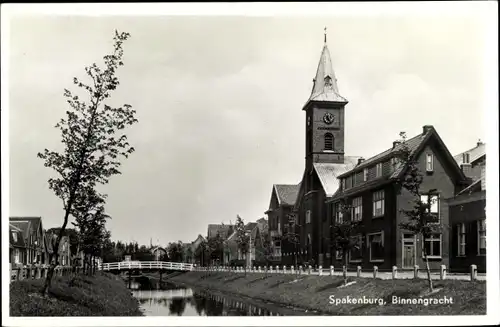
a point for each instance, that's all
(371, 190)
(31, 244)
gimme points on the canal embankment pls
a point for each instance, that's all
(79, 295)
(363, 296)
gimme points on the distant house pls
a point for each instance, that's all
(31, 231)
(159, 252)
(256, 250)
(472, 160)
(64, 253)
(194, 246)
(221, 229)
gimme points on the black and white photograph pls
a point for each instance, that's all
(221, 163)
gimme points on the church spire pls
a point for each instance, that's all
(325, 87)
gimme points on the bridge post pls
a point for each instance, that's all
(129, 277)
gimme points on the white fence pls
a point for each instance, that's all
(125, 265)
(395, 273)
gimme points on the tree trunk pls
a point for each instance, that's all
(50, 273)
(344, 271)
(429, 279)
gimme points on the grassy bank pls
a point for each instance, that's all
(99, 295)
(314, 293)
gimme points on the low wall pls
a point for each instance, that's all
(40, 271)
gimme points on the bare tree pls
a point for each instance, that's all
(91, 147)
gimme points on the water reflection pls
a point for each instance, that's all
(175, 301)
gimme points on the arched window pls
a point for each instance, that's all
(329, 141)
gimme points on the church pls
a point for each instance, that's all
(301, 216)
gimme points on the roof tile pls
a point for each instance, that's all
(287, 193)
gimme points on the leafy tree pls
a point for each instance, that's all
(242, 238)
(345, 231)
(291, 236)
(216, 247)
(91, 147)
(175, 251)
(201, 251)
(420, 220)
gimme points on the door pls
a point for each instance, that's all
(409, 251)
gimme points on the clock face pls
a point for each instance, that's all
(328, 118)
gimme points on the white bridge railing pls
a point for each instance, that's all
(146, 265)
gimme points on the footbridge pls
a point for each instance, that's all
(146, 265)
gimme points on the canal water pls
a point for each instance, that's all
(172, 300)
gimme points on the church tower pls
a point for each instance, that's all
(324, 116)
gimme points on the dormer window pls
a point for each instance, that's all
(14, 236)
(328, 80)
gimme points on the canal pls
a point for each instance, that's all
(173, 300)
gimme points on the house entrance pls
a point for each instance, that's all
(409, 251)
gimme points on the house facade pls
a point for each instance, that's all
(467, 215)
(30, 229)
(282, 237)
(64, 253)
(17, 247)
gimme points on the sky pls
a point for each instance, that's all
(219, 102)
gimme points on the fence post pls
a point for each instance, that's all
(375, 271)
(292, 269)
(309, 270)
(270, 269)
(300, 270)
(394, 272)
(331, 270)
(473, 272)
(284, 269)
(442, 272)
(320, 270)
(260, 269)
(344, 270)
(277, 269)
(415, 271)
(358, 271)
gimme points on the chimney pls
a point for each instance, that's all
(479, 142)
(360, 161)
(427, 128)
(395, 144)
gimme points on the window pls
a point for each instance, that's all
(308, 120)
(338, 254)
(356, 251)
(357, 209)
(279, 227)
(376, 246)
(14, 236)
(338, 213)
(342, 184)
(328, 141)
(461, 239)
(434, 202)
(481, 237)
(394, 162)
(308, 216)
(429, 162)
(378, 203)
(365, 174)
(16, 255)
(466, 158)
(433, 246)
(378, 170)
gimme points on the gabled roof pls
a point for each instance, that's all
(26, 224)
(412, 143)
(328, 173)
(286, 193)
(325, 87)
(416, 145)
(213, 229)
(475, 153)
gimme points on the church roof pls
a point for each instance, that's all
(328, 173)
(325, 88)
(286, 193)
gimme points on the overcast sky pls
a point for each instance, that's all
(219, 105)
